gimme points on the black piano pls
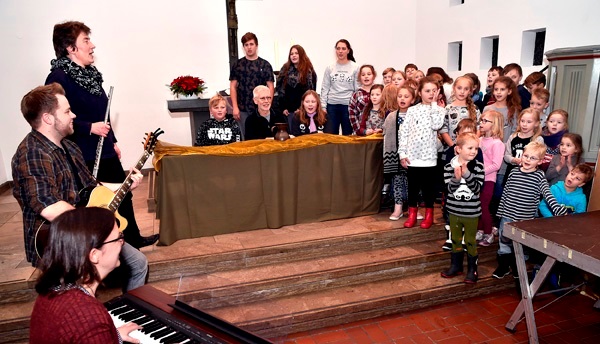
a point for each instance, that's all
(165, 320)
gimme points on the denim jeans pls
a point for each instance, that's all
(137, 264)
(505, 244)
(338, 114)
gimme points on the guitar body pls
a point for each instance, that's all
(101, 197)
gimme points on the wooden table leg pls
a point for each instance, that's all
(536, 284)
(526, 293)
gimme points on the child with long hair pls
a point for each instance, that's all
(391, 162)
(446, 81)
(557, 124)
(373, 116)
(488, 98)
(464, 177)
(461, 107)
(490, 142)
(387, 75)
(476, 95)
(418, 150)
(528, 130)
(389, 102)
(360, 98)
(571, 150)
(311, 117)
(296, 77)
(507, 103)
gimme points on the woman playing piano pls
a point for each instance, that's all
(83, 248)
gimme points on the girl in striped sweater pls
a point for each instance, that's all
(464, 177)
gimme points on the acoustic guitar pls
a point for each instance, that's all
(103, 197)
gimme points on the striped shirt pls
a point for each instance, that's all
(463, 195)
(522, 194)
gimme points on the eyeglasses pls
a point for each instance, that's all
(120, 237)
(265, 98)
(530, 157)
(483, 120)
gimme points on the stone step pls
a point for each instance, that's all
(278, 317)
(310, 275)
(163, 267)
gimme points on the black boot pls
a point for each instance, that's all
(503, 268)
(471, 269)
(456, 265)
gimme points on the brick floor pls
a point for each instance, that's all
(477, 320)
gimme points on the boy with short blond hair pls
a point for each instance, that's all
(520, 199)
(539, 101)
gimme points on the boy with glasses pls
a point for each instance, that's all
(520, 200)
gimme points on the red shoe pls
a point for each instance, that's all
(412, 217)
(428, 220)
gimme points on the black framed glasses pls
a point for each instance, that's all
(120, 237)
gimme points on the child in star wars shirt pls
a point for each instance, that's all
(220, 129)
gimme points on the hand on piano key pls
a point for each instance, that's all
(149, 330)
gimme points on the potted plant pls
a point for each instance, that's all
(187, 87)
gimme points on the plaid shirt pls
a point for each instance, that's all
(42, 176)
(358, 102)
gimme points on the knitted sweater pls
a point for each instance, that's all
(391, 132)
(522, 193)
(418, 137)
(463, 194)
(71, 317)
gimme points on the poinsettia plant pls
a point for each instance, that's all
(187, 85)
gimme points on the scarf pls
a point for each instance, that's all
(89, 77)
(553, 140)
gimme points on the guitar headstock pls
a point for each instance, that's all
(151, 140)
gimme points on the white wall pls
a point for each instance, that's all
(568, 23)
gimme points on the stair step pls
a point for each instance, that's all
(273, 318)
(163, 267)
(298, 277)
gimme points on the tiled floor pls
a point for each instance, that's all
(477, 320)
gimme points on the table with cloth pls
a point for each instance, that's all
(206, 191)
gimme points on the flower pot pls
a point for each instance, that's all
(185, 96)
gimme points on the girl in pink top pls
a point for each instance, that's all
(491, 126)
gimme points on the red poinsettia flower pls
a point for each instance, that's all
(187, 85)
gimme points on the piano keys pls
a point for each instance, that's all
(165, 320)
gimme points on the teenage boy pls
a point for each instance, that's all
(247, 73)
(520, 199)
(515, 72)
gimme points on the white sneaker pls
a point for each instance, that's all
(395, 218)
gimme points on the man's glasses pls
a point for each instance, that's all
(120, 237)
(265, 98)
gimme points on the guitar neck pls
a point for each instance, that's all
(126, 186)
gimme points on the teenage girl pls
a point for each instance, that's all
(507, 103)
(391, 163)
(398, 78)
(418, 150)
(311, 117)
(387, 75)
(360, 98)
(373, 116)
(464, 177)
(557, 124)
(339, 82)
(490, 142)
(571, 149)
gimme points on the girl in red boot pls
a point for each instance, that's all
(418, 150)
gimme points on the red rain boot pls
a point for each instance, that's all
(428, 220)
(412, 217)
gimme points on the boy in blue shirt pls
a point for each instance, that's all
(569, 192)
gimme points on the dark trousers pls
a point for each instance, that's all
(338, 114)
(487, 192)
(421, 179)
(111, 171)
